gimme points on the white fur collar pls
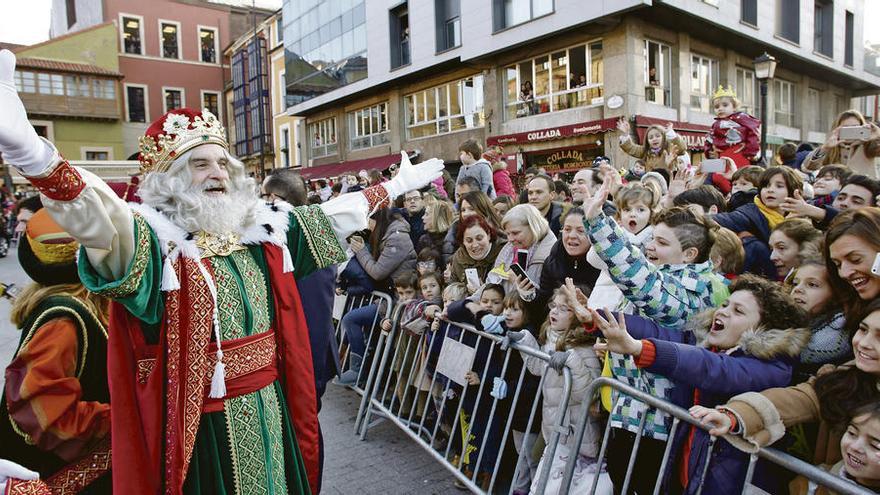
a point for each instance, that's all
(269, 225)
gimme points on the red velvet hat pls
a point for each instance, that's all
(175, 133)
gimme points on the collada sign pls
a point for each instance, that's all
(566, 155)
(568, 159)
(545, 134)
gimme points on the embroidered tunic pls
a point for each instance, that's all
(261, 437)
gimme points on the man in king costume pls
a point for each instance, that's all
(211, 379)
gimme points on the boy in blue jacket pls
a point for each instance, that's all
(748, 344)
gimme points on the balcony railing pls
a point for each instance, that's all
(71, 106)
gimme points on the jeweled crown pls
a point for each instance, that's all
(175, 133)
(721, 92)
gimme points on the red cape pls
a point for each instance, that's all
(154, 419)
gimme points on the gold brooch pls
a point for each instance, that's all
(218, 244)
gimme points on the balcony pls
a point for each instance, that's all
(38, 104)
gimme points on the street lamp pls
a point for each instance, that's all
(765, 67)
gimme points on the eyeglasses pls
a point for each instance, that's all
(562, 308)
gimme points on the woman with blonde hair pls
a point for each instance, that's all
(55, 410)
(860, 155)
(527, 230)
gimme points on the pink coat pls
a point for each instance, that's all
(503, 184)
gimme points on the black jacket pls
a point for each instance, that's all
(557, 267)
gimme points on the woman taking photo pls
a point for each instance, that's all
(859, 154)
(526, 230)
(479, 248)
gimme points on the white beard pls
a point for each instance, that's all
(230, 212)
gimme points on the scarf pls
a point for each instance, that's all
(774, 218)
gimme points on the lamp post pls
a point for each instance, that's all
(765, 67)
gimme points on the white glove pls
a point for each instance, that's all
(411, 177)
(9, 469)
(19, 142)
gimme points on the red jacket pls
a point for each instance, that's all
(733, 131)
(503, 184)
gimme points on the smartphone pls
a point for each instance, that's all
(473, 278)
(854, 133)
(519, 271)
(713, 165)
(522, 257)
(875, 268)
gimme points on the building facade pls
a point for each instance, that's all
(547, 79)
(170, 52)
(71, 88)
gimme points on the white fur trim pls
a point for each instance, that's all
(169, 276)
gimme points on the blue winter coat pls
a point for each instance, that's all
(763, 359)
(749, 219)
(355, 280)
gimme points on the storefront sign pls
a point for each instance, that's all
(560, 132)
(564, 159)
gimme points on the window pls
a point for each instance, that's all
(400, 44)
(104, 89)
(208, 44)
(450, 107)
(783, 102)
(211, 102)
(788, 20)
(169, 37)
(848, 41)
(322, 138)
(96, 154)
(136, 103)
(282, 92)
(704, 80)
(748, 12)
(50, 84)
(71, 13)
(565, 79)
(132, 34)
(77, 86)
(512, 12)
(745, 90)
(823, 27)
(448, 17)
(25, 82)
(813, 109)
(658, 73)
(368, 126)
(172, 98)
(284, 146)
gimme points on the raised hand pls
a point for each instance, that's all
(617, 338)
(798, 206)
(623, 126)
(411, 177)
(578, 301)
(593, 206)
(19, 142)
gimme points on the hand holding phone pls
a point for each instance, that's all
(520, 272)
(854, 133)
(713, 166)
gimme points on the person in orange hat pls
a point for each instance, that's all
(212, 379)
(55, 412)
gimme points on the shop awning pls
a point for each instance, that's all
(340, 168)
(694, 135)
(551, 133)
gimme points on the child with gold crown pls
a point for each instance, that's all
(735, 134)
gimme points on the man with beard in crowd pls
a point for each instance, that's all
(211, 378)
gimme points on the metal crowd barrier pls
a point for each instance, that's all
(372, 337)
(781, 459)
(453, 422)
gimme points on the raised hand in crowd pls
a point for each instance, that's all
(617, 339)
(797, 205)
(593, 206)
(623, 126)
(578, 301)
(678, 184)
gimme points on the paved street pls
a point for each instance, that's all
(388, 462)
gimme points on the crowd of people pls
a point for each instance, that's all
(189, 334)
(714, 291)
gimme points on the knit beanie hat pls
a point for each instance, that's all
(48, 253)
(664, 187)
